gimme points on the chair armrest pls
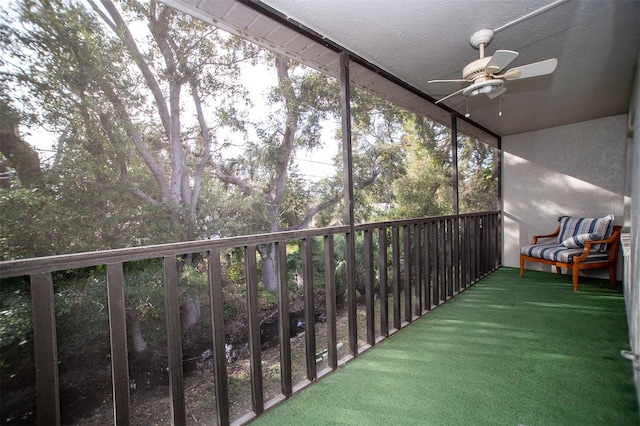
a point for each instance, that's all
(587, 246)
(555, 234)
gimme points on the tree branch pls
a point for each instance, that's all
(119, 27)
(129, 128)
(232, 180)
(280, 175)
(206, 142)
(331, 201)
(313, 211)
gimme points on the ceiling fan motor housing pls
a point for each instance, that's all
(476, 69)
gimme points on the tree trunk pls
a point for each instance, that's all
(21, 157)
(268, 272)
(190, 312)
(135, 331)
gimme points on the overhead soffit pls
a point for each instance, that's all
(245, 22)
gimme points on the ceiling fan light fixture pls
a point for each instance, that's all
(484, 87)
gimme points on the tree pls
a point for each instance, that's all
(299, 102)
(130, 165)
(131, 119)
(425, 190)
(126, 138)
(478, 175)
(408, 158)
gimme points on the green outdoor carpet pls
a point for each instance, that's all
(507, 351)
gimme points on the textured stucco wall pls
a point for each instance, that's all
(577, 169)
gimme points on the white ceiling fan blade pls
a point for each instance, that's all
(499, 60)
(452, 94)
(449, 81)
(532, 70)
(496, 93)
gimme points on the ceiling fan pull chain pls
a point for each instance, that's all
(500, 107)
(467, 114)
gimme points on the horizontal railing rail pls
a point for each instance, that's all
(407, 268)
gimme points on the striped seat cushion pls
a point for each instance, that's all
(571, 227)
(559, 253)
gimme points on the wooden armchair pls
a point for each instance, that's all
(575, 250)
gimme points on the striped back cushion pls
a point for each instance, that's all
(571, 227)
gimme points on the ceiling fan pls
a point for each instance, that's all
(484, 73)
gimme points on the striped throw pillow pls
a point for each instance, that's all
(579, 240)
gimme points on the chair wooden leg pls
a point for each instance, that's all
(612, 276)
(521, 266)
(574, 277)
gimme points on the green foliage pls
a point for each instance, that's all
(295, 264)
(15, 312)
(16, 335)
(82, 316)
(425, 190)
(144, 298)
(192, 281)
(478, 176)
(267, 299)
(360, 269)
(23, 212)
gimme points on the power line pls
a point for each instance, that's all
(315, 161)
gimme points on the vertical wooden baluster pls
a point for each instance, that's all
(174, 343)
(118, 339)
(418, 270)
(455, 267)
(283, 319)
(309, 308)
(330, 289)
(369, 278)
(449, 259)
(217, 331)
(395, 265)
(426, 236)
(408, 315)
(382, 267)
(442, 262)
(255, 356)
(46, 349)
(435, 255)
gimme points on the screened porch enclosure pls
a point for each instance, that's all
(228, 323)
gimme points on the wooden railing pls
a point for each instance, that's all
(409, 267)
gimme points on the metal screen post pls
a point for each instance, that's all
(347, 165)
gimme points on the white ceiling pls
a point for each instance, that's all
(596, 43)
